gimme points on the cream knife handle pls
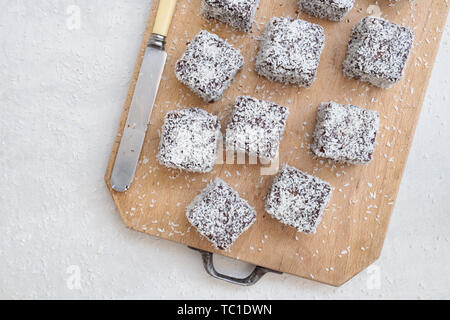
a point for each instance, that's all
(164, 17)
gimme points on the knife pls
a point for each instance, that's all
(143, 100)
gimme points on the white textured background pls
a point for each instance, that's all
(62, 90)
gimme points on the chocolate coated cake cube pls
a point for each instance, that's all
(298, 199)
(334, 10)
(256, 127)
(208, 66)
(239, 14)
(378, 52)
(345, 133)
(290, 51)
(220, 214)
(189, 140)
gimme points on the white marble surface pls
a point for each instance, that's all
(61, 96)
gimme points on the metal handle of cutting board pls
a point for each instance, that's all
(252, 279)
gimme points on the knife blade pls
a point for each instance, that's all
(138, 117)
(144, 97)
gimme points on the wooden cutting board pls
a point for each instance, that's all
(352, 232)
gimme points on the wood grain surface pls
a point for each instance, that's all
(352, 232)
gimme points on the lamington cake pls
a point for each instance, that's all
(290, 51)
(189, 140)
(256, 127)
(298, 199)
(378, 52)
(220, 215)
(345, 133)
(239, 14)
(334, 10)
(208, 66)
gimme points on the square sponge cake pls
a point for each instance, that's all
(238, 14)
(345, 133)
(378, 51)
(290, 51)
(333, 10)
(298, 199)
(256, 128)
(220, 214)
(189, 140)
(208, 66)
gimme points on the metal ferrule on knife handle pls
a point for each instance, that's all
(157, 41)
(143, 100)
(163, 20)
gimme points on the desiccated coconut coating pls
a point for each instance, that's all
(298, 199)
(220, 215)
(345, 133)
(290, 51)
(334, 10)
(189, 140)
(378, 52)
(256, 127)
(208, 66)
(239, 14)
